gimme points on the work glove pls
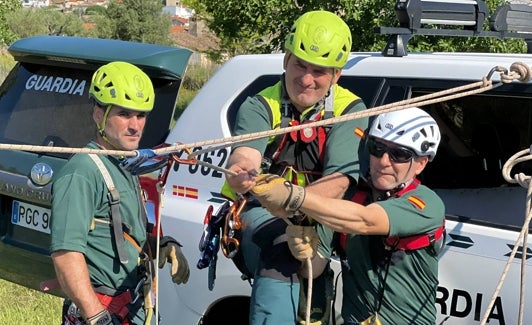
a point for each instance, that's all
(103, 318)
(170, 251)
(302, 241)
(274, 192)
(145, 161)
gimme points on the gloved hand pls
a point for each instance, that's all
(302, 241)
(145, 161)
(103, 318)
(170, 251)
(275, 192)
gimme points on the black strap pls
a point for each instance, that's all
(114, 202)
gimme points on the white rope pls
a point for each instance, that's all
(524, 181)
(160, 191)
(436, 97)
(428, 99)
(309, 291)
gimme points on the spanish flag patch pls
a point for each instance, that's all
(417, 202)
(359, 132)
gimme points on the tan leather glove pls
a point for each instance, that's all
(170, 251)
(274, 192)
(302, 241)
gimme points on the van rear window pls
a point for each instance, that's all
(46, 106)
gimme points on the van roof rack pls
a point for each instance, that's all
(508, 21)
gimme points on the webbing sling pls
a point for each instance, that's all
(114, 201)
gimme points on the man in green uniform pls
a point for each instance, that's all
(99, 225)
(317, 48)
(391, 231)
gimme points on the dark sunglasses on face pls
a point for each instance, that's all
(397, 154)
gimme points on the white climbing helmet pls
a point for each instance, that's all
(412, 128)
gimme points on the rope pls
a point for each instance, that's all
(524, 181)
(436, 97)
(309, 291)
(428, 99)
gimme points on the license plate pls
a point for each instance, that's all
(30, 216)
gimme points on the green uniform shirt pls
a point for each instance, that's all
(410, 289)
(340, 149)
(79, 195)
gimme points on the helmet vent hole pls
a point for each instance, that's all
(425, 146)
(326, 55)
(423, 132)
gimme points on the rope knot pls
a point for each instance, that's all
(522, 70)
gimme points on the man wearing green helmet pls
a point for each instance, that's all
(101, 247)
(321, 158)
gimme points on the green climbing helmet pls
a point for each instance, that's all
(321, 38)
(122, 84)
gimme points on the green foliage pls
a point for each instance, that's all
(7, 6)
(196, 76)
(45, 21)
(6, 63)
(135, 20)
(95, 10)
(260, 26)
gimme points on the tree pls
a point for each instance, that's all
(260, 26)
(45, 21)
(135, 20)
(7, 6)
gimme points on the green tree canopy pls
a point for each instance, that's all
(260, 26)
(6, 7)
(135, 20)
(45, 21)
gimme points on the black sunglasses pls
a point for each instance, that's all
(397, 154)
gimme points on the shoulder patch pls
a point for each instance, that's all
(417, 202)
(359, 132)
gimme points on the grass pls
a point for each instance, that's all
(20, 305)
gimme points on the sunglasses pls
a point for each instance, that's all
(397, 154)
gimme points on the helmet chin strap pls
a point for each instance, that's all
(101, 126)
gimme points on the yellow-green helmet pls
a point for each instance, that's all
(122, 84)
(321, 38)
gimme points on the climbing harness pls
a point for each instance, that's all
(108, 296)
(432, 241)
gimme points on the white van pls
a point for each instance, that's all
(480, 132)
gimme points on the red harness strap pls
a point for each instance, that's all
(117, 304)
(416, 241)
(401, 243)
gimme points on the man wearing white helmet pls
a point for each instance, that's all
(389, 235)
